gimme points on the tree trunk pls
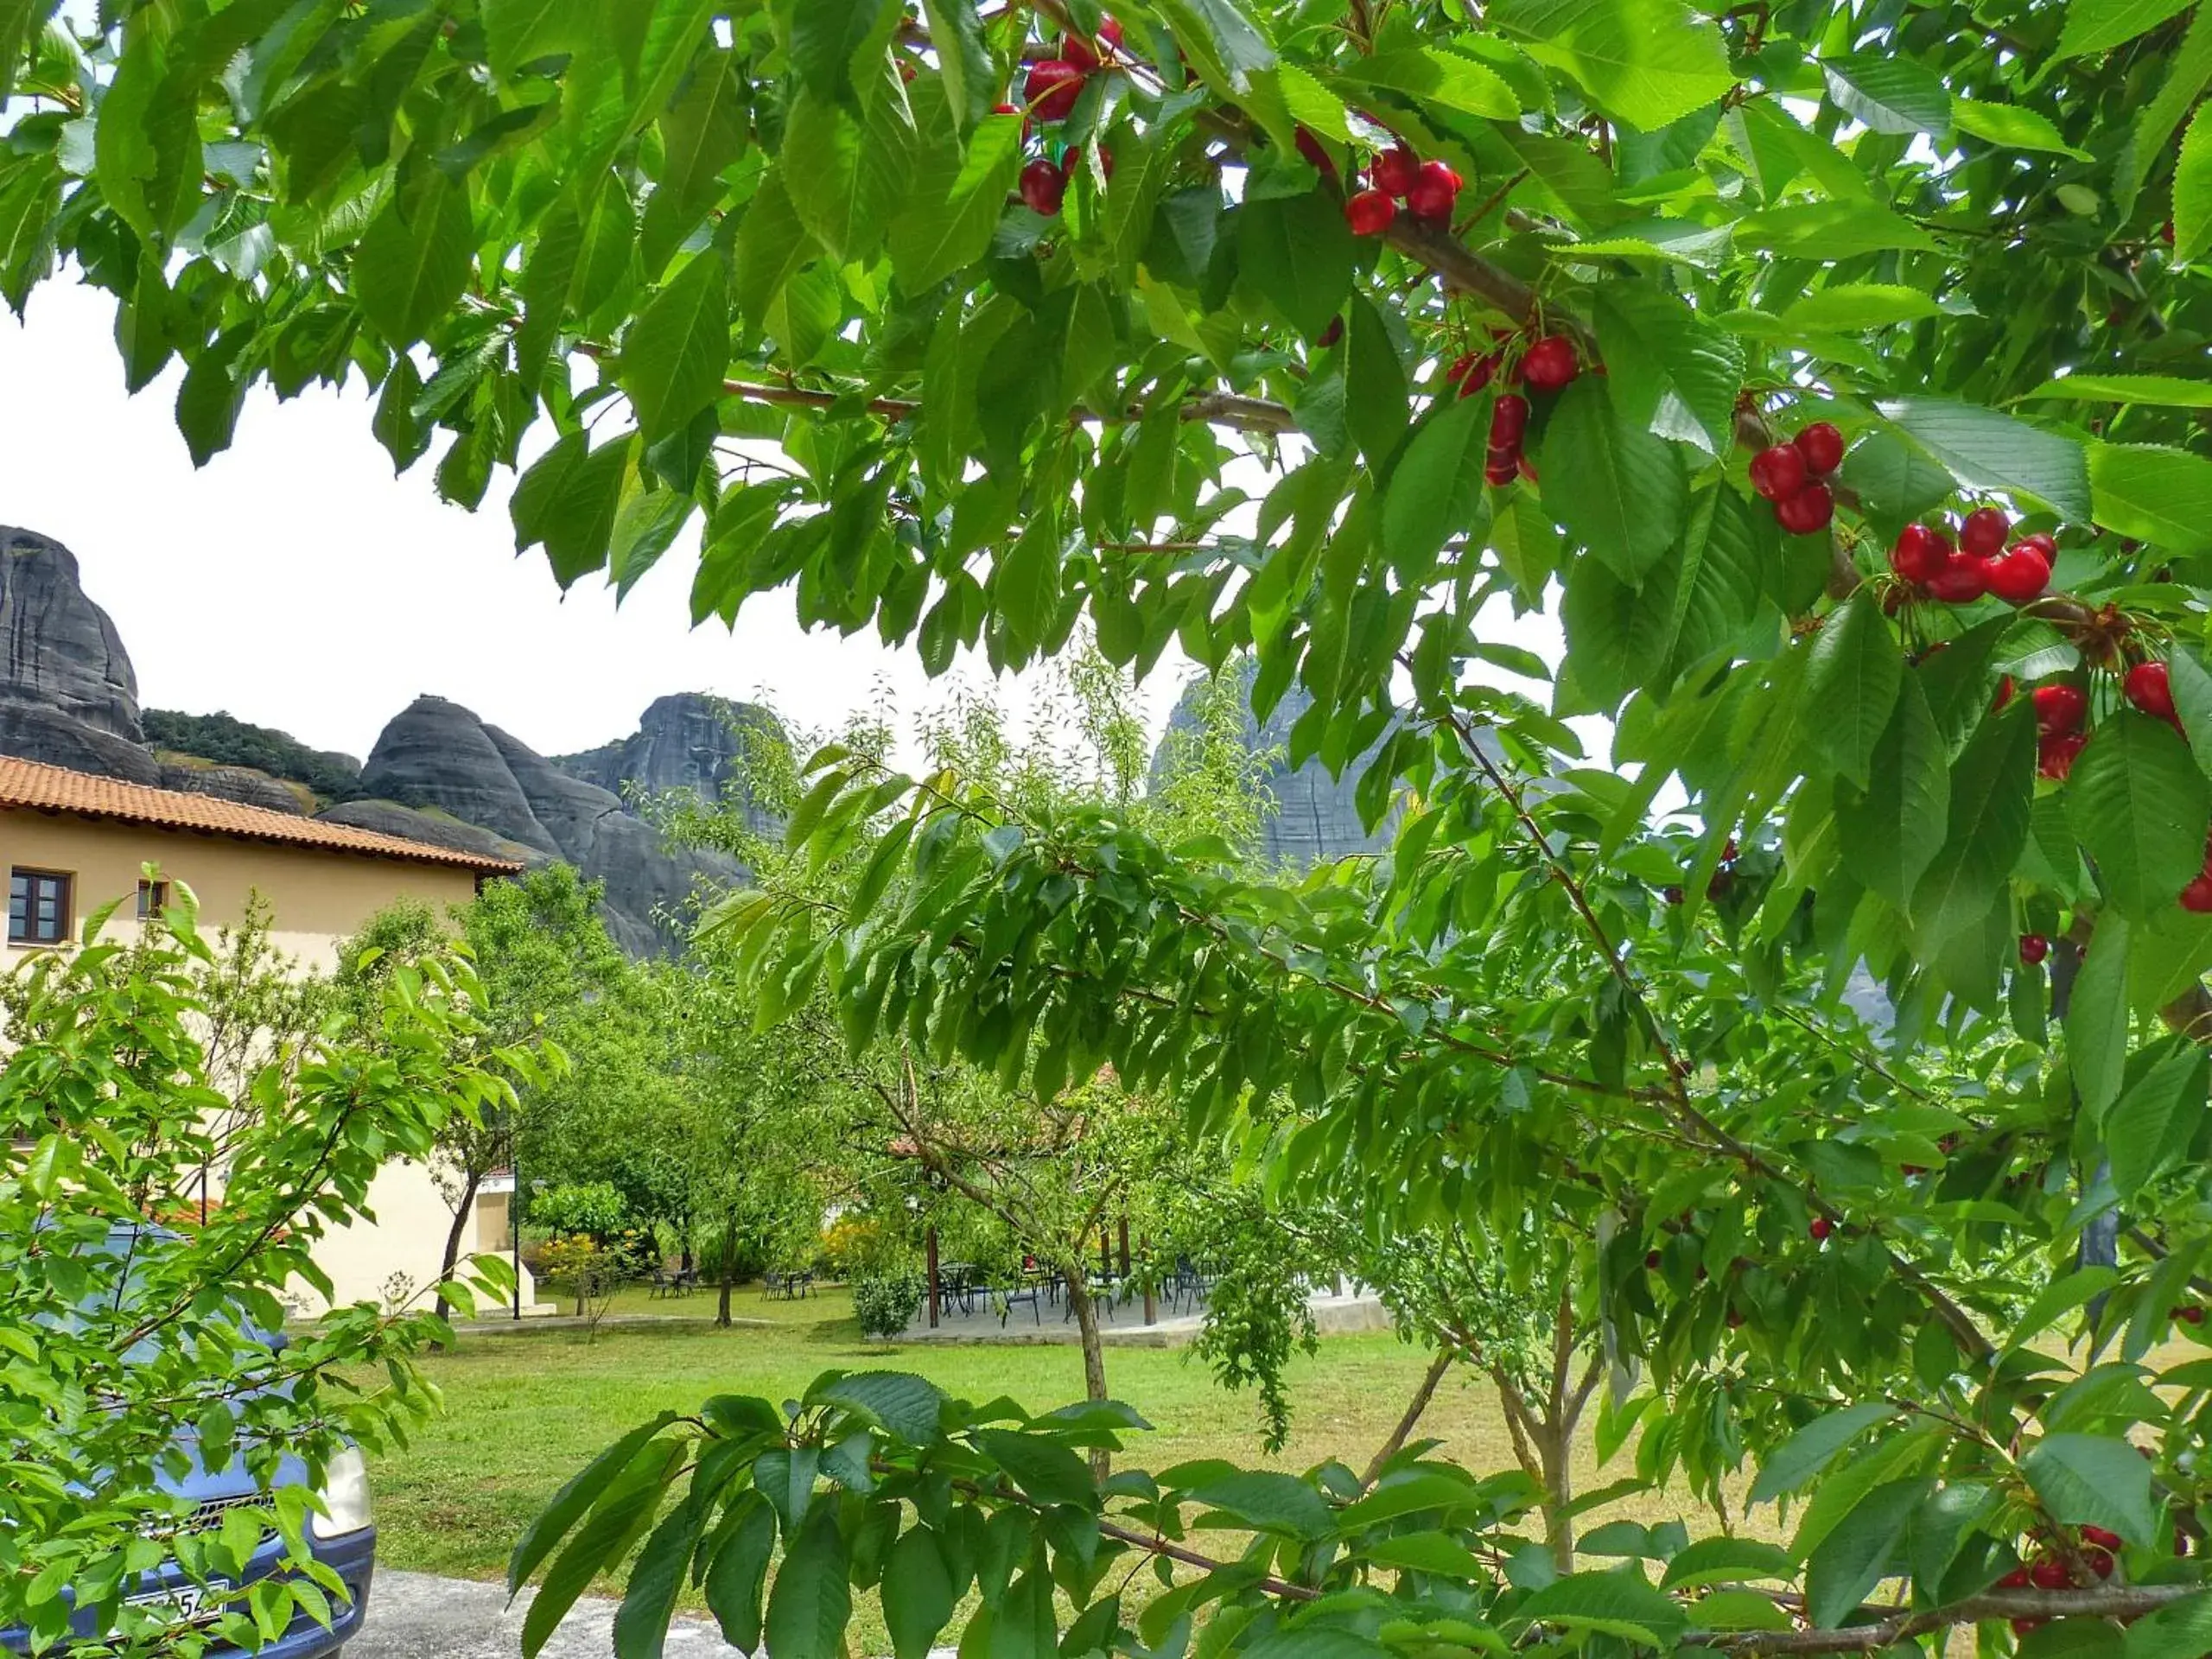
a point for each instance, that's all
(729, 1270)
(1403, 1432)
(1555, 1447)
(1094, 1355)
(460, 1213)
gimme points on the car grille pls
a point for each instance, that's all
(207, 1515)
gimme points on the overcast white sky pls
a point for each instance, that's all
(295, 582)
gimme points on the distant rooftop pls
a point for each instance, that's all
(29, 784)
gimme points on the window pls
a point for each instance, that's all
(38, 907)
(153, 900)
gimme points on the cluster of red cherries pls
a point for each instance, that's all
(1050, 91)
(1429, 189)
(1549, 363)
(1978, 562)
(2099, 1554)
(1792, 476)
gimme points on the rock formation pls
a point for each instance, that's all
(67, 694)
(689, 741)
(1313, 817)
(241, 784)
(439, 759)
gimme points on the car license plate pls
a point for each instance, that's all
(186, 1604)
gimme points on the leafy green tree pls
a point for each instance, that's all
(1876, 289)
(140, 1328)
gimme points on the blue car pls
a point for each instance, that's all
(342, 1538)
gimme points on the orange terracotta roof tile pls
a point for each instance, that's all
(27, 784)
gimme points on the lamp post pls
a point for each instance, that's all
(514, 1227)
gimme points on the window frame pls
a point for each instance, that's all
(153, 899)
(66, 910)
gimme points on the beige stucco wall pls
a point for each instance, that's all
(318, 898)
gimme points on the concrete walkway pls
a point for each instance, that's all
(418, 1616)
(1354, 1312)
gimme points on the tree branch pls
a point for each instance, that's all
(2102, 1601)
(1423, 1395)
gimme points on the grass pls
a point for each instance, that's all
(524, 1413)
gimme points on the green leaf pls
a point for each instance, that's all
(675, 353)
(1832, 231)
(1988, 451)
(963, 57)
(1619, 491)
(905, 1405)
(854, 175)
(2157, 495)
(20, 23)
(1851, 681)
(1439, 77)
(1860, 1551)
(770, 247)
(1647, 62)
(1616, 1604)
(2099, 25)
(2179, 1627)
(1425, 1552)
(568, 500)
(1889, 92)
(1436, 490)
(811, 1602)
(1718, 582)
(2096, 1018)
(523, 31)
(1727, 1561)
(649, 1597)
(413, 259)
(1376, 393)
(918, 1595)
(2192, 690)
(1221, 37)
(825, 34)
(2013, 126)
(1045, 1470)
(955, 202)
(1850, 307)
(1895, 482)
(2168, 391)
(2140, 806)
(1891, 832)
(2151, 1124)
(739, 1569)
(1993, 793)
(702, 133)
(2188, 72)
(1671, 369)
(623, 1508)
(2094, 1480)
(1297, 252)
(1268, 1503)
(1813, 1447)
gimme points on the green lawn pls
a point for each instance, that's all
(524, 1413)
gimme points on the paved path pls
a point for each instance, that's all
(416, 1616)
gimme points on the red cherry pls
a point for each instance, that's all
(1499, 474)
(2055, 757)
(2192, 1315)
(2059, 709)
(2102, 1538)
(1005, 108)
(2019, 577)
(1919, 553)
(1477, 375)
(1370, 213)
(2049, 1574)
(1435, 191)
(1673, 896)
(2150, 687)
(1550, 363)
(1984, 532)
(1651, 1259)
(1820, 1229)
(1396, 169)
(2196, 899)
(1311, 149)
(1509, 420)
(1085, 52)
(1735, 1320)
(2027, 1626)
(1962, 579)
(1052, 88)
(1822, 446)
(1807, 511)
(1043, 186)
(1778, 472)
(2033, 947)
(2016, 1580)
(2043, 542)
(2098, 1561)
(1331, 335)
(2003, 694)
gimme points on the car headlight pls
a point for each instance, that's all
(345, 1495)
